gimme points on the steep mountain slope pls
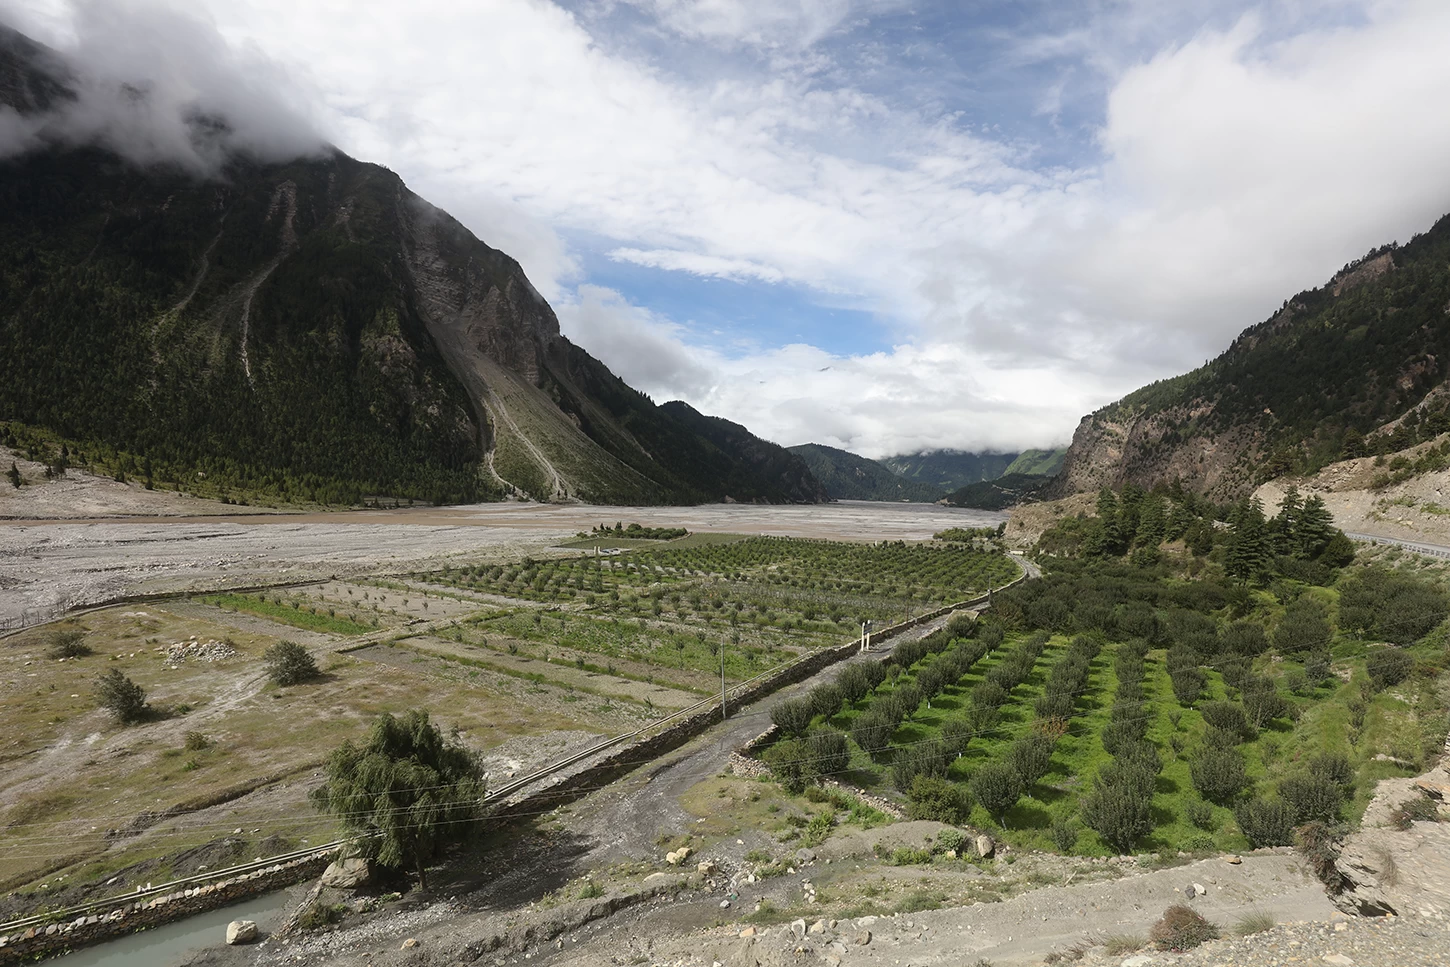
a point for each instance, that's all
(1037, 463)
(1353, 368)
(1005, 491)
(847, 476)
(945, 470)
(314, 330)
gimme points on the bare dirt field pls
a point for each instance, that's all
(48, 567)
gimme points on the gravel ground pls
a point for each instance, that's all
(1345, 942)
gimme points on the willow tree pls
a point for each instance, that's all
(405, 794)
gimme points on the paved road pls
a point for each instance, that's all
(1416, 547)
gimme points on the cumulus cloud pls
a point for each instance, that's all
(1223, 168)
(157, 84)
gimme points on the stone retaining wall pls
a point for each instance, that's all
(48, 940)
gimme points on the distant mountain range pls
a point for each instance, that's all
(949, 470)
(310, 330)
(847, 476)
(1356, 367)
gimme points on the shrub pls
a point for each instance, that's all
(1421, 809)
(989, 694)
(288, 663)
(787, 761)
(1388, 666)
(951, 839)
(1262, 701)
(1064, 834)
(1218, 774)
(1181, 929)
(1201, 814)
(1188, 684)
(827, 753)
(997, 787)
(1310, 797)
(825, 700)
(1030, 757)
(123, 697)
(938, 799)
(1117, 811)
(1318, 843)
(1334, 767)
(872, 732)
(1228, 717)
(195, 742)
(853, 683)
(792, 717)
(1317, 666)
(68, 643)
(1266, 822)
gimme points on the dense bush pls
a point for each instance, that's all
(1181, 929)
(1310, 797)
(1064, 834)
(1030, 757)
(1261, 701)
(827, 752)
(872, 731)
(1266, 822)
(1201, 814)
(1118, 812)
(1388, 666)
(1228, 717)
(825, 700)
(288, 663)
(1304, 627)
(997, 787)
(792, 717)
(787, 760)
(1391, 605)
(1218, 774)
(929, 758)
(939, 800)
(67, 643)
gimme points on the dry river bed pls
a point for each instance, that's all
(48, 567)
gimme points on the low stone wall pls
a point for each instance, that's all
(48, 940)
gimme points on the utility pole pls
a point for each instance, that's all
(723, 715)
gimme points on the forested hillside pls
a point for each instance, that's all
(309, 330)
(947, 470)
(847, 476)
(1353, 368)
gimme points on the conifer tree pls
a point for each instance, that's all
(14, 474)
(1248, 552)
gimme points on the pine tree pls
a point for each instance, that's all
(1313, 528)
(14, 474)
(1151, 525)
(1248, 552)
(1286, 522)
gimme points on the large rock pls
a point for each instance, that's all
(985, 846)
(241, 931)
(349, 874)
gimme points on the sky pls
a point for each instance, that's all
(875, 224)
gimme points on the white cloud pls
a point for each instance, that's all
(1233, 166)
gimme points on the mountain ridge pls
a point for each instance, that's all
(312, 329)
(850, 476)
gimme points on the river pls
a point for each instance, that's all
(177, 942)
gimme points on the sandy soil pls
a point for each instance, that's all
(52, 566)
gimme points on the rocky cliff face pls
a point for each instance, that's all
(1356, 366)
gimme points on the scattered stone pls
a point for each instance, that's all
(748, 932)
(1233, 860)
(241, 931)
(1141, 960)
(805, 855)
(707, 868)
(1337, 960)
(819, 927)
(1200, 889)
(409, 944)
(798, 929)
(863, 937)
(724, 904)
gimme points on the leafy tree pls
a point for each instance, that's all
(405, 794)
(1218, 774)
(124, 698)
(997, 786)
(1262, 701)
(1228, 717)
(288, 663)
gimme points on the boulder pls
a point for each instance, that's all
(985, 846)
(241, 931)
(349, 874)
(798, 928)
(707, 868)
(863, 937)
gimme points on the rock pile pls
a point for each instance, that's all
(180, 652)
